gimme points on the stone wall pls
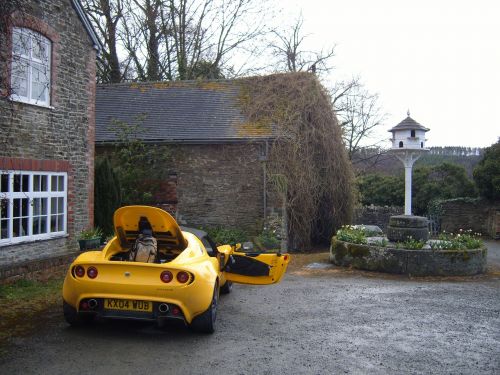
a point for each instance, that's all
(375, 215)
(212, 185)
(61, 136)
(478, 215)
(220, 185)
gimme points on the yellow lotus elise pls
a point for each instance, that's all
(181, 279)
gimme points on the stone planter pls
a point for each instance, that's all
(90, 243)
(402, 227)
(424, 262)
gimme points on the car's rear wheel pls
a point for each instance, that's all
(226, 288)
(72, 316)
(205, 322)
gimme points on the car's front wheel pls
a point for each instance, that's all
(205, 322)
(72, 316)
(226, 288)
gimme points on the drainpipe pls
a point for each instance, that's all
(264, 171)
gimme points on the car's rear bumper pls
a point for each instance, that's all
(191, 299)
(159, 310)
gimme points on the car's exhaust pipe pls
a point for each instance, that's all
(163, 308)
(92, 303)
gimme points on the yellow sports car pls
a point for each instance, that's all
(153, 270)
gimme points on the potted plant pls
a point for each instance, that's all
(90, 239)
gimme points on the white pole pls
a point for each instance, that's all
(408, 158)
(408, 168)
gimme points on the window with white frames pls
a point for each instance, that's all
(32, 206)
(30, 68)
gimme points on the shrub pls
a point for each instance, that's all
(349, 233)
(107, 195)
(225, 236)
(268, 240)
(487, 173)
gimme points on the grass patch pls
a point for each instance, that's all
(23, 301)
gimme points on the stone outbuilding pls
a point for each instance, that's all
(47, 120)
(217, 171)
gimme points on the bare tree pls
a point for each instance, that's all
(358, 112)
(291, 56)
(174, 39)
(106, 16)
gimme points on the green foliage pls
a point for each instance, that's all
(90, 233)
(268, 240)
(107, 195)
(410, 244)
(443, 181)
(225, 236)
(140, 167)
(349, 233)
(381, 190)
(487, 173)
(461, 241)
(204, 69)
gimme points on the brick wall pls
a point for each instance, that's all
(63, 134)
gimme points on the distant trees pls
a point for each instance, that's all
(487, 173)
(443, 181)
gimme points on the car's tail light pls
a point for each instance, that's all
(176, 311)
(92, 272)
(79, 271)
(183, 277)
(166, 276)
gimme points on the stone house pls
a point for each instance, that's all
(47, 119)
(217, 171)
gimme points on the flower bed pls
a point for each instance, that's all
(450, 256)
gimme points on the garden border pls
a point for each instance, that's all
(423, 262)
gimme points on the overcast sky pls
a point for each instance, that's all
(438, 58)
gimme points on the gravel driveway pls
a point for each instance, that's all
(321, 321)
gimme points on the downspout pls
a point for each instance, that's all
(264, 170)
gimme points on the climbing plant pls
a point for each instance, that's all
(308, 163)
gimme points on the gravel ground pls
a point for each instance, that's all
(316, 321)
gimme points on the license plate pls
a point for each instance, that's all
(127, 305)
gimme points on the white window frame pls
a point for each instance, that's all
(8, 200)
(30, 60)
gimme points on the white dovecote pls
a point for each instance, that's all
(408, 144)
(408, 134)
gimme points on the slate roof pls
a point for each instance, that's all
(176, 112)
(409, 124)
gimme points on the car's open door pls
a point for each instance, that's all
(255, 268)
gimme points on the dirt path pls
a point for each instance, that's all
(317, 321)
